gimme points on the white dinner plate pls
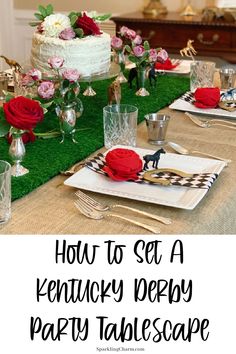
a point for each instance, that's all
(174, 196)
(185, 103)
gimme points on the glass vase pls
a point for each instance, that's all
(141, 72)
(17, 153)
(119, 58)
(67, 114)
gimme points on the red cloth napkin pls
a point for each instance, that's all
(122, 164)
(207, 97)
(167, 65)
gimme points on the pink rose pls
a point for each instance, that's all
(46, 89)
(27, 80)
(138, 51)
(123, 30)
(67, 34)
(71, 74)
(116, 43)
(55, 62)
(35, 74)
(152, 55)
(137, 40)
(130, 34)
(163, 55)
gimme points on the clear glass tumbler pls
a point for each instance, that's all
(201, 74)
(5, 191)
(120, 125)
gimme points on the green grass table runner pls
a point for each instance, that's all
(45, 158)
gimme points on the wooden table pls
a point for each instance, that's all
(172, 31)
(50, 209)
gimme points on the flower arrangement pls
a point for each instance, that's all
(67, 27)
(56, 92)
(139, 52)
(60, 89)
(64, 88)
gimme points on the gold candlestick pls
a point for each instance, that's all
(188, 10)
(155, 8)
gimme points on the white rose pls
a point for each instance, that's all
(54, 24)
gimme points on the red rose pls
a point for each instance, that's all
(88, 25)
(23, 113)
(123, 164)
(27, 137)
(207, 97)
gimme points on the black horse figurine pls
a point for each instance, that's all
(150, 72)
(152, 75)
(155, 158)
(133, 74)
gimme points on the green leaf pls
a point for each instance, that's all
(127, 48)
(42, 10)
(33, 24)
(102, 18)
(133, 59)
(73, 19)
(49, 9)
(39, 16)
(146, 45)
(79, 32)
(9, 96)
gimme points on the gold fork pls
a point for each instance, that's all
(210, 123)
(101, 207)
(91, 213)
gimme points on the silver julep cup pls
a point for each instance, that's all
(156, 128)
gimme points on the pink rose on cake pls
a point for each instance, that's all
(67, 34)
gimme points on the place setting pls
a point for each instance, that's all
(206, 95)
(174, 179)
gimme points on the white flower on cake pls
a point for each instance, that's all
(54, 24)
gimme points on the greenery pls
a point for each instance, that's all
(43, 12)
(45, 158)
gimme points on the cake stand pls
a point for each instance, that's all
(112, 72)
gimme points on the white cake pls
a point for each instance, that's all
(89, 55)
